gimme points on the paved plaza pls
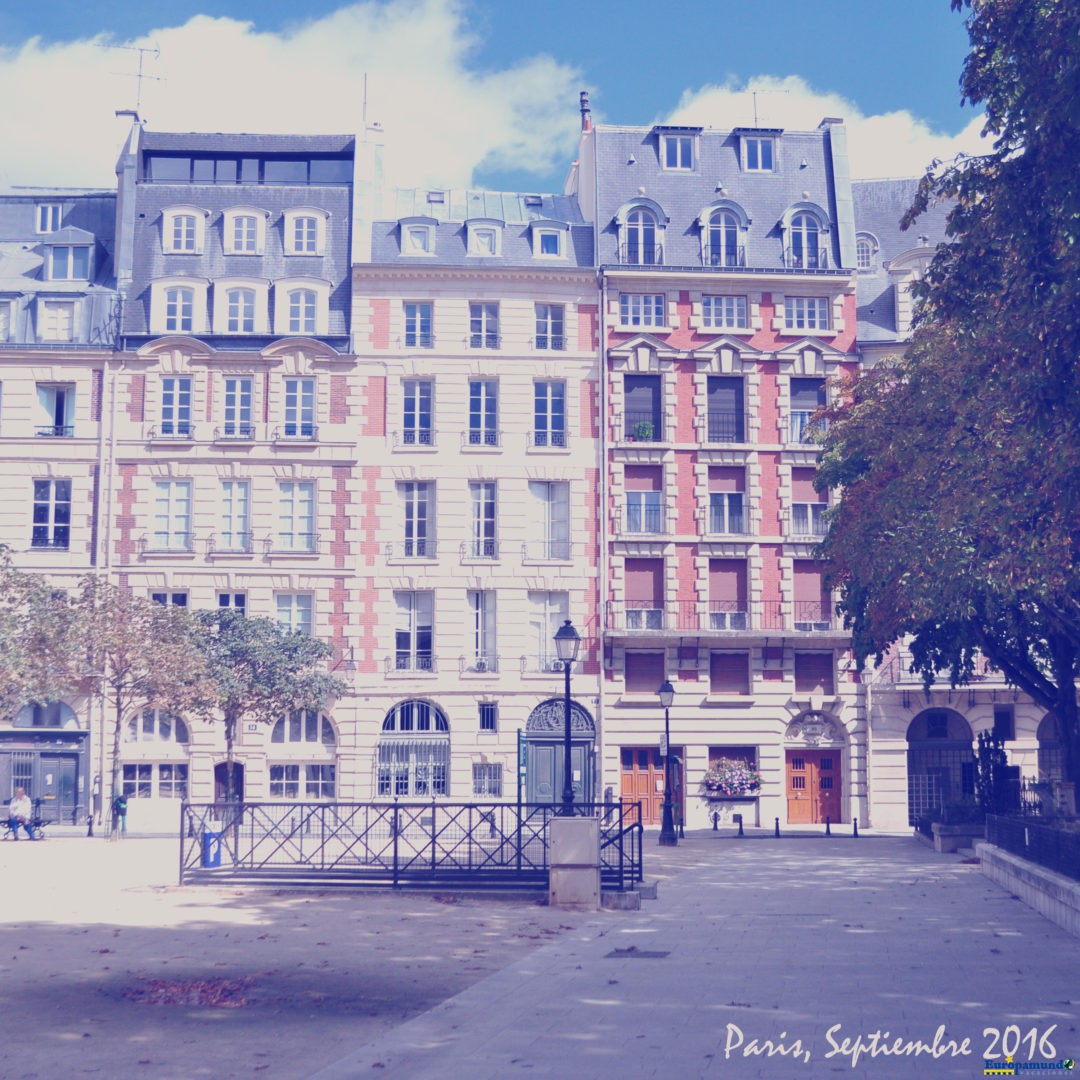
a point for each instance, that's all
(760, 958)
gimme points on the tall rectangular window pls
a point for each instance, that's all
(644, 590)
(414, 636)
(304, 238)
(418, 519)
(57, 319)
(294, 612)
(727, 510)
(183, 233)
(483, 325)
(300, 408)
(245, 235)
(808, 505)
(549, 513)
(48, 217)
(726, 411)
(238, 408)
(677, 151)
(482, 616)
(418, 324)
(419, 395)
(176, 406)
(52, 514)
(758, 153)
(550, 320)
(489, 715)
(234, 534)
(56, 414)
(813, 605)
(483, 543)
(728, 603)
(241, 314)
(807, 396)
(296, 515)
(549, 413)
(643, 484)
(642, 309)
(303, 311)
(642, 412)
(547, 613)
(483, 412)
(179, 310)
(172, 515)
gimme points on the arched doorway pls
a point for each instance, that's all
(545, 753)
(814, 769)
(221, 782)
(1051, 763)
(413, 759)
(941, 761)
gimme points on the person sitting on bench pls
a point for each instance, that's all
(20, 812)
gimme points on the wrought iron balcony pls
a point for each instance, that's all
(235, 432)
(416, 436)
(416, 548)
(296, 432)
(480, 547)
(485, 664)
(423, 663)
(545, 550)
(643, 427)
(718, 256)
(482, 437)
(554, 439)
(723, 427)
(552, 342)
(55, 431)
(806, 259)
(641, 254)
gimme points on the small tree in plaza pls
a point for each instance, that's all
(260, 670)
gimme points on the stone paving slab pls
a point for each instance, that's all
(760, 960)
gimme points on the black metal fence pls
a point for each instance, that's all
(396, 843)
(1053, 847)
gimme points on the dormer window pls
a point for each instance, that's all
(805, 227)
(305, 231)
(758, 151)
(244, 231)
(484, 237)
(183, 230)
(178, 306)
(865, 252)
(641, 226)
(549, 239)
(49, 216)
(417, 236)
(677, 152)
(69, 263)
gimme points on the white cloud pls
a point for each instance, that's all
(892, 144)
(441, 119)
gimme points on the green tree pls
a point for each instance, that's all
(146, 655)
(260, 670)
(959, 463)
(40, 650)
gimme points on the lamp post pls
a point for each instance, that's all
(567, 643)
(666, 693)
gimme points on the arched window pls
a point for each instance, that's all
(723, 245)
(304, 726)
(639, 239)
(414, 751)
(304, 763)
(864, 253)
(303, 309)
(941, 761)
(50, 714)
(154, 725)
(179, 309)
(804, 248)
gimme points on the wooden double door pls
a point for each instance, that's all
(641, 779)
(814, 783)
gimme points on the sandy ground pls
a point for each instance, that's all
(108, 968)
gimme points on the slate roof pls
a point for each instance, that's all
(243, 143)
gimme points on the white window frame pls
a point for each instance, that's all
(483, 412)
(417, 238)
(550, 317)
(50, 526)
(484, 518)
(864, 242)
(544, 400)
(548, 233)
(417, 424)
(159, 304)
(681, 141)
(551, 503)
(548, 610)
(238, 407)
(484, 239)
(417, 498)
(234, 533)
(177, 406)
(297, 244)
(727, 508)
(7, 307)
(244, 230)
(48, 217)
(418, 314)
(807, 314)
(284, 304)
(415, 615)
(224, 290)
(295, 612)
(482, 611)
(484, 319)
(297, 507)
(643, 309)
(180, 239)
(171, 519)
(737, 306)
(64, 268)
(56, 319)
(752, 157)
(299, 407)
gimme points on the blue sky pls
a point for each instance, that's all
(483, 90)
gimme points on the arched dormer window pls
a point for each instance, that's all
(865, 252)
(641, 233)
(805, 227)
(183, 230)
(243, 230)
(723, 234)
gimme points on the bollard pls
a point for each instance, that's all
(738, 818)
(828, 826)
(715, 819)
(90, 825)
(855, 832)
(776, 828)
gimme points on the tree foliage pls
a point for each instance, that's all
(260, 670)
(959, 519)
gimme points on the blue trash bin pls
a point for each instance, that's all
(211, 850)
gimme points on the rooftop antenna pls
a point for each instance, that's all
(143, 52)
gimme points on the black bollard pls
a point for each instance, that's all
(90, 825)
(828, 826)
(715, 819)
(738, 818)
(776, 828)
(855, 832)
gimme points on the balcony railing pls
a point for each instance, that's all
(552, 342)
(814, 615)
(421, 436)
(806, 521)
(556, 439)
(482, 547)
(485, 664)
(812, 259)
(546, 550)
(720, 257)
(55, 431)
(175, 430)
(542, 664)
(293, 544)
(419, 340)
(416, 548)
(642, 520)
(422, 662)
(484, 341)
(727, 615)
(296, 432)
(481, 437)
(234, 543)
(724, 520)
(171, 543)
(724, 427)
(238, 432)
(57, 542)
(637, 615)
(643, 427)
(641, 254)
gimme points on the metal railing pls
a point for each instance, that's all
(55, 431)
(481, 437)
(723, 427)
(1054, 848)
(556, 439)
(642, 254)
(397, 843)
(643, 427)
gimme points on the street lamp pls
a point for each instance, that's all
(666, 693)
(567, 643)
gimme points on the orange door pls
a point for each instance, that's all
(641, 779)
(813, 787)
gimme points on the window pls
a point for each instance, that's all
(807, 396)
(418, 324)
(644, 590)
(550, 319)
(176, 406)
(725, 418)
(294, 612)
(489, 715)
(644, 673)
(304, 726)
(728, 607)
(56, 411)
(483, 326)
(303, 311)
(547, 243)
(808, 506)
(758, 153)
(300, 408)
(677, 151)
(49, 216)
(69, 263)
(813, 606)
(414, 636)
(414, 751)
(232, 601)
(724, 312)
(238, 416)
(638, 309)
(729, 673)
(864, 253)
(418, 517)
(170, 599)
(1004, 723)
(296, 515)
(305, 231)
(640, 247)
(723, 247)
(5, 319)
(417, 239)
(641, 413)
(549, 413)
(804, 251)
(727, 486)
(137, 782)
(52, 514)
(484, 240)
(419, 395)
(549, 515)
(643, 484)
(179, 309)
(308, 781)
(241, 311)
(172, 781)
(814, 673)
(483, 543)
(487, 779)
(482, 611)
(172, 515)
(183, 230)
(547, 613)
(57, 320)
(483, 412)
(156, 726)
(244, 233)
(235, 534)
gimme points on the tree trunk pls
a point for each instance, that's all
(230, 741)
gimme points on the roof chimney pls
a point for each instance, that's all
(586, 112)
